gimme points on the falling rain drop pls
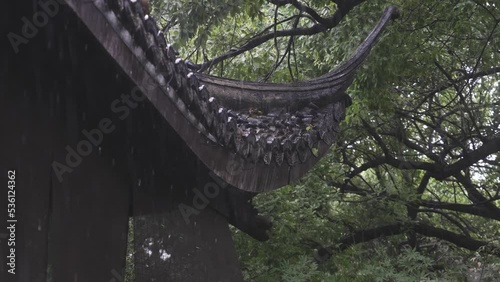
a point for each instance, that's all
(164, 255)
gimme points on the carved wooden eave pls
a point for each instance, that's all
(255, 136)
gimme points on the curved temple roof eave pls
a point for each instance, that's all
(233, 147)
(322, 90)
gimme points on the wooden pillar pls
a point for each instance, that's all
(169, 248)
(89, 223)
(73, 226)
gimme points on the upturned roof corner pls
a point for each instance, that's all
(255, 136)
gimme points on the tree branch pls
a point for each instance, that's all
(475, 209)
(475, 195)
(332, 22)
(457, 239)
(398, 228)
(489, 147)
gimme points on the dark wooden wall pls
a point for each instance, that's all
(58, 84)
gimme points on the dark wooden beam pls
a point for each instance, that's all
(20, 150)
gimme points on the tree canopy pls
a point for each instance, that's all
(411, 191)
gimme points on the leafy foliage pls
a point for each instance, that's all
(417, 162)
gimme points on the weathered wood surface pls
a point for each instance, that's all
(20, 145)
(86, 213)
(60, 84)
(74, 230)
(24, 131)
